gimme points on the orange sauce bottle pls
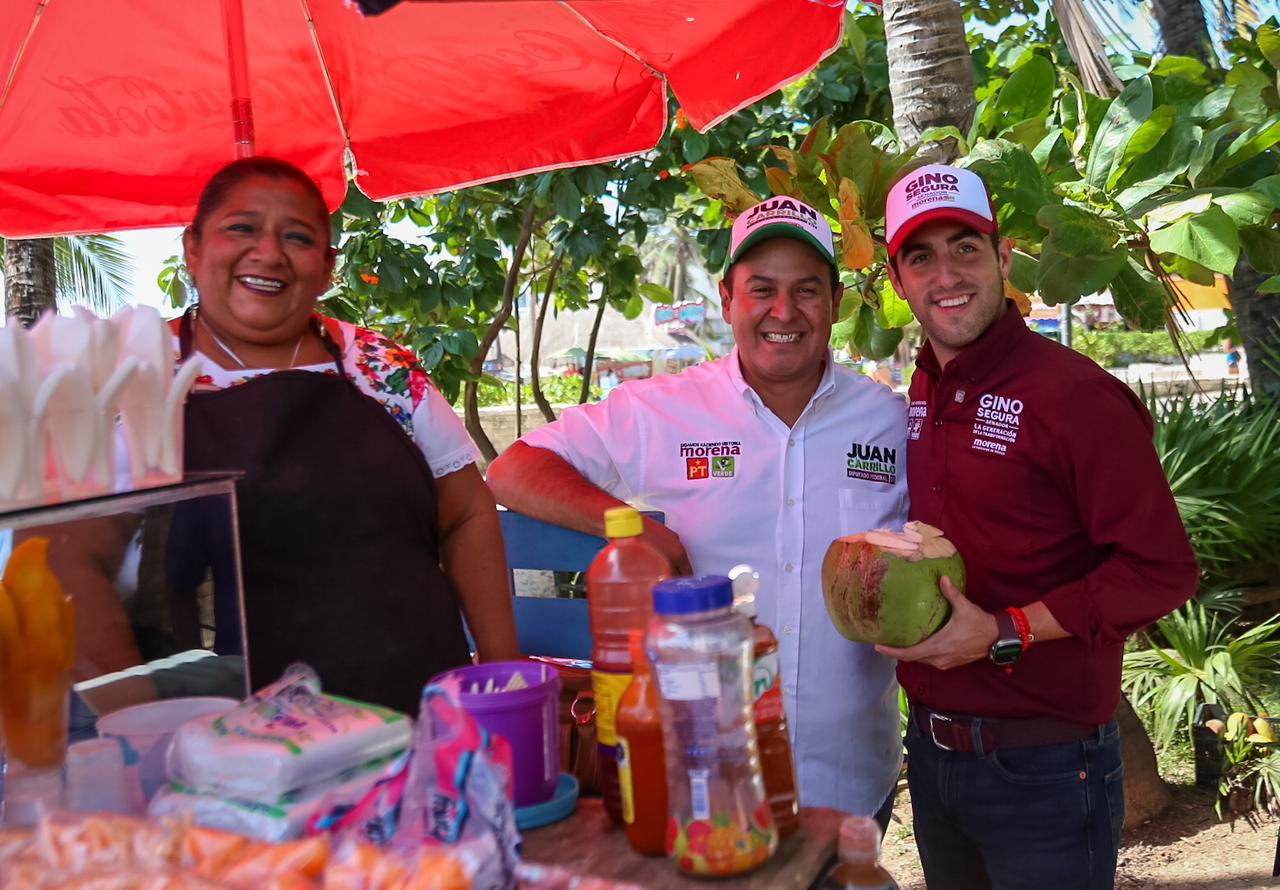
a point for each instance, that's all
(776, 760)
(642, 771)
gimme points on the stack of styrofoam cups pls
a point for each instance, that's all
(96, 777)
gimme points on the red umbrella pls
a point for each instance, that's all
(114, 112)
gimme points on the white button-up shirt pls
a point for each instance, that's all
(738, 486)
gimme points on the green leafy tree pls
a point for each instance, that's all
(567, 238)
(1171, 179)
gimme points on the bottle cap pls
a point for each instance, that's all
(623, 522)
(746, 583)
(859, 840)
(684, 596)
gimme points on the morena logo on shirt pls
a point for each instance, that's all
(710, 460)
(916, 414)
(996, 423)
(873, 463)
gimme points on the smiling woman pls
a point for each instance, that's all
(366, 531)
(258, 250)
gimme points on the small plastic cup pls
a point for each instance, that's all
(30, 794)
(144, 733)
(527, 717)
(96, 779)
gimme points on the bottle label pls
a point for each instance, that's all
(766, 690)
(608, 689)
(696, 681)
(699, 794)
(624, 781)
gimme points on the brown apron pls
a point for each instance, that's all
(339, 533)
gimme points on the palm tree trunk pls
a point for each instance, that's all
(1258, 318)
(31, 283)
(930, 70)
(1183, 29)
(1145, 793)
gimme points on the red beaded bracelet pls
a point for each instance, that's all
(1022, 625)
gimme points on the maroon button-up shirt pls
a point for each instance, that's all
(1039, 466)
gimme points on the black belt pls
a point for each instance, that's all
(982, 735)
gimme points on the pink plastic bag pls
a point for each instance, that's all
(452, 788)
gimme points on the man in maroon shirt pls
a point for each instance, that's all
(1039, 466)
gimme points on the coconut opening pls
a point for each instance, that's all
(933, 544)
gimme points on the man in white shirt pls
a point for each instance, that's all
(763, 457)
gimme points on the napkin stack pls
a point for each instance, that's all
(63, 385)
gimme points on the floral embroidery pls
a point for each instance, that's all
(418, 383)
(379, 367)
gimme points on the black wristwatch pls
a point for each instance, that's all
(1008, 645)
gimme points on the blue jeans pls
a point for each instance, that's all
(1041, 818)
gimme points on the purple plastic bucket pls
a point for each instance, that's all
(529, 719)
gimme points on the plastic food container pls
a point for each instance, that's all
(145, 732)
(528, 718)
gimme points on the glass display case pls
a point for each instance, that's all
(154, 577)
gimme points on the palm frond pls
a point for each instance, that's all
(1246, 18)
(1201, 658)
(1087, 47)
(94, 271)
(1267, 773)
(1222, 460)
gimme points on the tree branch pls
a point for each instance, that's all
(536, 349)
(591, 349)
(499, 321)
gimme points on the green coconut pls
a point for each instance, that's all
(882, 586)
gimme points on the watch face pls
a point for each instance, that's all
(1006, 651)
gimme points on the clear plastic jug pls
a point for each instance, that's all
(720, 822)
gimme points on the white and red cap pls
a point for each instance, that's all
(782, 217)
(935, 192)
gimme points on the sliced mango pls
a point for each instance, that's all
(9, 627)
(44, 612)
(28, 567)
(42, 643)
(68, 625)
(37, 650)
(34, 708)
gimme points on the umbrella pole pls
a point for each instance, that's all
(238, 68)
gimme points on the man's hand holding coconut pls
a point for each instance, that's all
(904, 592)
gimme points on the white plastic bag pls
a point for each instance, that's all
(287, 737)
(283, 820)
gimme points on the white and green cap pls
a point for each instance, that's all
(782, 218)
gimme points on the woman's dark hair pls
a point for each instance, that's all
(221, 184)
